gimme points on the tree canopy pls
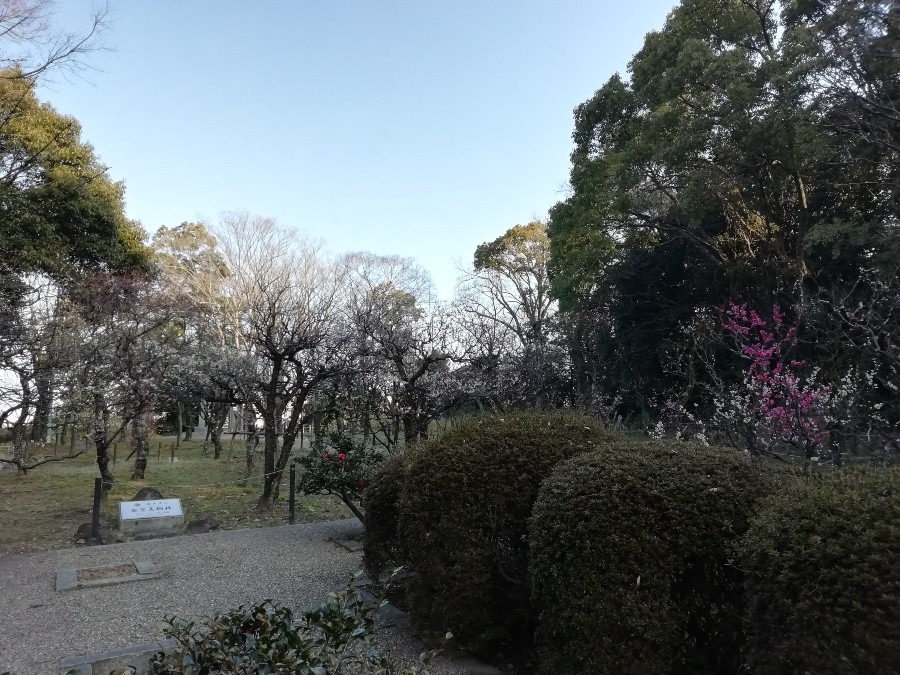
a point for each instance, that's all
(750, 154)
(59, 211)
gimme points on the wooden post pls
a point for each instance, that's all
(95, 515)
(115, 448)
(172, 456)
(292, 494)
(159, 451)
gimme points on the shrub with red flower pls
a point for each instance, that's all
(344, 469)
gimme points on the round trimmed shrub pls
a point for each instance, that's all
(381, 505)
(463, 521)
(823, 576)
(630, 564)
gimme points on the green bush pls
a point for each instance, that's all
(381, 504)
(463, 520)
(823, 576)
(629, 560)
(338, 637)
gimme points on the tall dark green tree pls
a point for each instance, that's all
(724, 166)
(59, 211)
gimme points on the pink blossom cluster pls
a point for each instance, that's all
(791, 410)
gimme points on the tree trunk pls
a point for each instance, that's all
(275, 467)
(65, 428)
(219, 414)
(415, 428)
(140, 434)
(317, 428)
(101, 439)
(189, 424)
(272, 486)
(836, 441)
(40, 424)
(20, 449)
(270, 448)
(252, 438)
(215, 434)
(353, 507)
(179, 424)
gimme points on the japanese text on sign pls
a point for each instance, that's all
(157, 508)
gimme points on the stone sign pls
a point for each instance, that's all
(152, 516)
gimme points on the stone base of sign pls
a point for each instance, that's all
(152, 525)
(67, 577)
(159, 534)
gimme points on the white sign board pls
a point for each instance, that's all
(153, 516)
(156, 508)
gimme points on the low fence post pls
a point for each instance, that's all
(95, 513)
(292, 494)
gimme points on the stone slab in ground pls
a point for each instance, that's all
(350, 544)
(71, 578)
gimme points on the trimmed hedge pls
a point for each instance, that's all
(463, 521)
(630, 560)
(823, 577)
(381, 505)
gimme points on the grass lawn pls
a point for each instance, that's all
(43, 510)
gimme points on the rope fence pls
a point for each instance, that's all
(168, 487)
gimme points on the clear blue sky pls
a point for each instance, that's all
(418, 128)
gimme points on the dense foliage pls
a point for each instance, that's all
(268, 638)
(463, 519)
(630, 560)
(823, 587)
(381, 504)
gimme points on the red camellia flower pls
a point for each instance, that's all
(325, 456)
(342, 456)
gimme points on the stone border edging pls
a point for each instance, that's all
(350, 544)
(83, 665)
(67, 577)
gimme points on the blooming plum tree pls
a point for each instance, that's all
(776, 404)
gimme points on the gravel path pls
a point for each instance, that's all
(295, 565)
